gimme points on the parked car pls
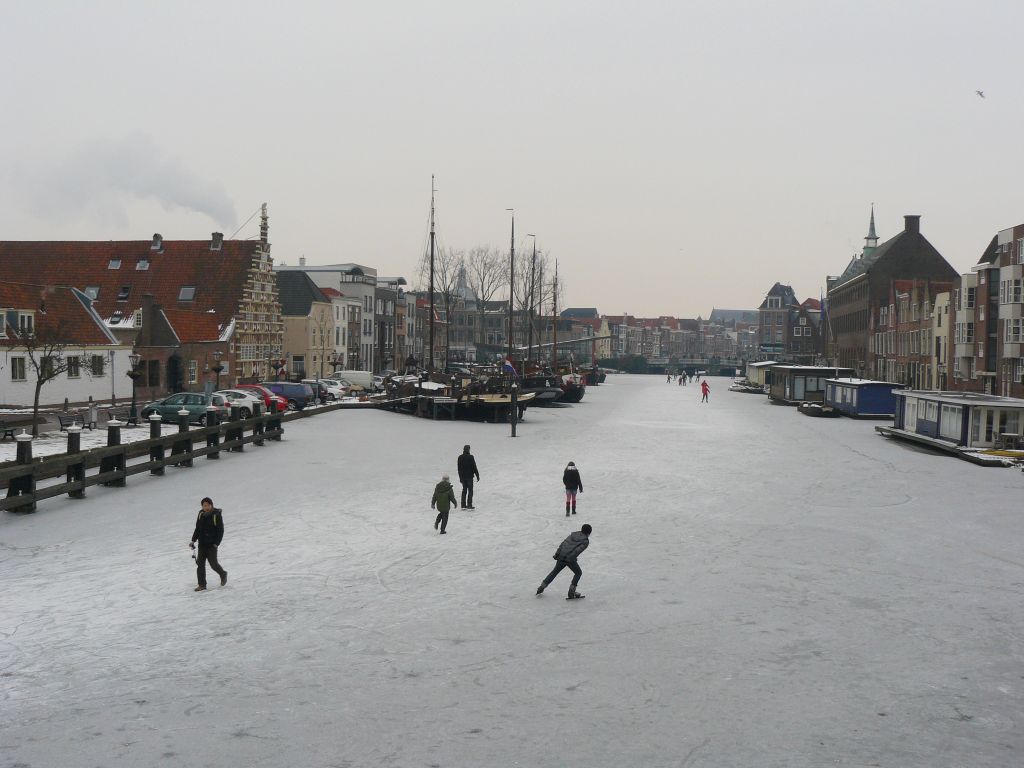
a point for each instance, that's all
(266, 394)
(193, 402)
(345, 384)
(363, 379)
(329, 389)
(245, 399)
(298, 395)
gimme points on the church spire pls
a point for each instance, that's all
(871, 241)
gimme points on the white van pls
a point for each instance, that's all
(362, 379)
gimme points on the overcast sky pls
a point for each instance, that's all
(674, 156)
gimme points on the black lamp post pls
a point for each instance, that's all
(217, 368)
(134, 358)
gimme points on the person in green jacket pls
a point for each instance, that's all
(443, 499)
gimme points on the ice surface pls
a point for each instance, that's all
(763, 589)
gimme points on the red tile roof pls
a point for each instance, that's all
(218, 276)
(56, 309)
(192, 327)
(332, 293)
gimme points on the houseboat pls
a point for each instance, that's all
(757, 373)
(795, 384)
(985, 429)
(861, 398)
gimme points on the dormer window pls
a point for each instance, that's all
(114, 264)
(116, 317)
(92, 291)
(122, 295)
(26, 324)
(142, 265)
(187, 293)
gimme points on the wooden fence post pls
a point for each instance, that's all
(257, 430)
(115, 462)
(213, 438)
(156, 452)
(275, 420)
(183, 447)
(234, 430)
(26, 484)
(76, 472)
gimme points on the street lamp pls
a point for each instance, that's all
(217, 355)
(134, 358)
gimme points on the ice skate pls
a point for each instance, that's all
(540, 589)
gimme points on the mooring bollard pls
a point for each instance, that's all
(183, 447)
(234, 431)
(514, 410)
(213, 437)
(258, 426)
(76, 472)
(115, 462)
(26, 484)
(156, 452)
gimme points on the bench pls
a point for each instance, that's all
(122, 415)
(68, 419)
(7, 429)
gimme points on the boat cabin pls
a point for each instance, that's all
(966, 419)
(756, 372)
(861, 398)
(795, 384)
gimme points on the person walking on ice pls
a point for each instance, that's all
(566, 554)
(573, 484)
(467, 471)
(209, 532)
(704, 389)
(443, 499)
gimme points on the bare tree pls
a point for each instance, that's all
(448, 264)
(485, 274)
(45, 346)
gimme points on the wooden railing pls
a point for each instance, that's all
(112, 463)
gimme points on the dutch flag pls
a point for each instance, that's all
(507, 367)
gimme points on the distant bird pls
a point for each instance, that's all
(981, 94)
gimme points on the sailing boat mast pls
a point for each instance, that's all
(533, 282)
(554, 321)
(430, 351)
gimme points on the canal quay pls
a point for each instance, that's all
(762, 589)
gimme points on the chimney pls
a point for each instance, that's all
(302, 261)
(217, 241)
(912, 224)
(158, 242)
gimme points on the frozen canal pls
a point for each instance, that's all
(763, 589)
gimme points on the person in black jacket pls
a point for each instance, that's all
(209, 532)
(467, 471)
(570, 549)
(573, 484)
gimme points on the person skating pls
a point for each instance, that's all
(443, 499)
(566, 555)
(571, 481)
(467, 471)
(705, 389)
(208, 533)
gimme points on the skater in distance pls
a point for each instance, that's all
(443, 499)
(565, 556)
(705, 389)
(208, 533)
(467, 471)
(571, 481)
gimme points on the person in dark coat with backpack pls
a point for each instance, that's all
(467, 471)
(573, 485)
(208, 533)
(565, 556)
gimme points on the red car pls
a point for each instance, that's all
(268, 396)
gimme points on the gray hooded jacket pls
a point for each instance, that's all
(572, 547)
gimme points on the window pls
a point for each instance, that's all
(114, 264)
(142, 265)
(122, 295)
(74, 367)
(17, 369)
(774, 302)
(803, 321)
(299, 365)
(187, 293)
(26, 324)
(193, 371)
(969, 296)
(96, 364)
(92, 291)
(1012, 331)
